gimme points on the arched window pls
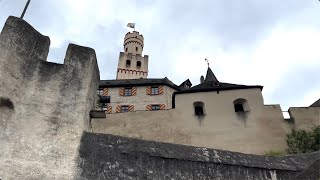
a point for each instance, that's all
(198, 108)
(128, 62)
(138, 64)
(240, 105)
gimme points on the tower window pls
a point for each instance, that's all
(126, 49)
(128, 63)
(155, 107)
(128, 92)
(138, 64)
(198, 108)
(136, 48)
(124, 108)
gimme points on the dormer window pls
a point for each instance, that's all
(138, 64)
(128, 63)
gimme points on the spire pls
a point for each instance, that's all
(210, 77)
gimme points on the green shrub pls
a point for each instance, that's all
(302, 141)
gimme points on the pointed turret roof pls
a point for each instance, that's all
(210, 77)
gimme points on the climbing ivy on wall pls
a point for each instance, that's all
(302, 141)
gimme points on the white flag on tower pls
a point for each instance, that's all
(131, 25)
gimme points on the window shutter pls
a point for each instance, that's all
(131, 108)
(109, 109)
(121, 92)
(118, 109)
(148, 90)
(162, 106)
(149, 107)
(105, 92)
(160, 89)
(134, 91)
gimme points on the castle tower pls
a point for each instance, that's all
(132, 65)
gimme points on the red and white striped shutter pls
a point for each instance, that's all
(162, 106)
(131, 108)
(105, 92)
(160, 89)
(121, 91)
(149, 107)
(148, 90)
(134, 91)
(109, 109)
(118, 109)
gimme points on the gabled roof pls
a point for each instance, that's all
(209, 86)
(137, 82)
(316, 104)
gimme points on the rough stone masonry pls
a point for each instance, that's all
(44, 106)
(44, 116)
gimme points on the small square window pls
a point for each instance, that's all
(100, 92)
(155, 107)
(128, 92)
(154, 90)
(124, 108)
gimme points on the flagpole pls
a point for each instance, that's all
(25, 9)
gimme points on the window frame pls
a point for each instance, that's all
(128, 62)
(124, 108)
(100, 92)
(153, 92)
(155, 107)
(139, 64)
(199, 104)
(127, 91)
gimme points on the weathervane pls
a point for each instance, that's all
(206, 59)
(25, 9)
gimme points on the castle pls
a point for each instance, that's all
(48, 122)
(211, 114)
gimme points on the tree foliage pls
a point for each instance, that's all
(302, 141)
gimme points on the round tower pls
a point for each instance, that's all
(133, 43)
(131, 64)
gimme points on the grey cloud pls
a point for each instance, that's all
(296, 84)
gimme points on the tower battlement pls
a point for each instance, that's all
(133, 43)
(45, 105)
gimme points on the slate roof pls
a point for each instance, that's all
(210, 77)
(210, 86)
(316, 104)
(137, 82)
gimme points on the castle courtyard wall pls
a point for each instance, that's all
(263, 130)
(305, 117)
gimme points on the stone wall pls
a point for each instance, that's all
(264, 134)
(44, 106)
(113, 157)
(305, 117)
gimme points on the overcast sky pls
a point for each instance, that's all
(271, 43)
